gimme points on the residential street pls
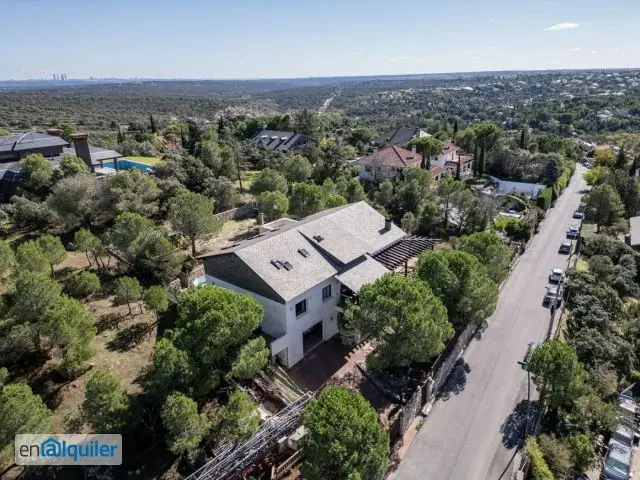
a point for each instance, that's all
(472, 432)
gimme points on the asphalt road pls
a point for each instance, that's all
(472, 431)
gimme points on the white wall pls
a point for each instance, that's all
(380, 173)
(505, 186)
(280, 320)
(317, 311)
(274, 322)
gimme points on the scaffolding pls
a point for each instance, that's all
(230, 460)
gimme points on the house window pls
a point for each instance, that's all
(326, 293)
(301, 307)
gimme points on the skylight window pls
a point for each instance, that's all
(277, 263)
(304, 252)
(287, 266)
(318, 238)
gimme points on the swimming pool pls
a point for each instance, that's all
(126, 164)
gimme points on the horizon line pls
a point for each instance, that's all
(195, 79)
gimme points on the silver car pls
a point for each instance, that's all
(617, 463)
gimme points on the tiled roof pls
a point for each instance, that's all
(397, 136)
(437, 171)
(279, 140)
(97, 154)
(366, 271)
(30, 141)
(450, 148)
(392, 157)
(464, 159)
(333, 239)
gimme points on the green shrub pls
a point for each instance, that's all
(84, 284)
(544, 198)
(539, 468)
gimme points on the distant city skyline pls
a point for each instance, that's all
(246, 39)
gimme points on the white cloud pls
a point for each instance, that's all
(574, 49)
(492, 20)
(562, 26)
(594, 52)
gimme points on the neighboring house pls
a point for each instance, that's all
(387, 163)
(399, 136)
(466, 165)
(508, 186)
(279, 140)
(51, 146)
(301, 271)
(633, 238)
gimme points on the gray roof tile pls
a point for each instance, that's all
(30, 141)
(348, 233)
(367, 271)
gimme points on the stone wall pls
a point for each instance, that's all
(246, 210)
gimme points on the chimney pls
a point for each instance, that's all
(54, 132)
(81, 145)
(261, 218)
(387, 224)
(413, 149)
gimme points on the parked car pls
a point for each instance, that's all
(557, 275)
(553, 297)
(623, 435)
(617, 463)
(578, 214)
(565, 247)
(573, 233)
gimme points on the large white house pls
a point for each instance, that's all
(297, 270)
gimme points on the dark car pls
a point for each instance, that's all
(578, 214)
(565, 247)
(553, 297)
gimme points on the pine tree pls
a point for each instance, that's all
(121, 136)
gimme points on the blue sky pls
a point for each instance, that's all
(301, 38)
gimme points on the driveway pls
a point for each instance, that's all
(472, 433)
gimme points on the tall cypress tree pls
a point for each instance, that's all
(458, 167)
(621, 161)
(152, 124)
(634, 166)
(522, 138)
(455, 130)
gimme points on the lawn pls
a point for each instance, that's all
(145, 160)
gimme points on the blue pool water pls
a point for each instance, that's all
(125, 164)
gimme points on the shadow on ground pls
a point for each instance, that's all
(513, 428)
(129, 337)
(457, 380)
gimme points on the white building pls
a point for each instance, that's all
(298, 271)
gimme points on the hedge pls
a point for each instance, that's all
(544, 198)
(563, 181)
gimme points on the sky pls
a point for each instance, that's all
(303, 38)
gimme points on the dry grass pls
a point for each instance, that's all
(231, 232)
(582, 265)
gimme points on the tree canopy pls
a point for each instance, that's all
(191, 214)
(407, 323)
(343, 439)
